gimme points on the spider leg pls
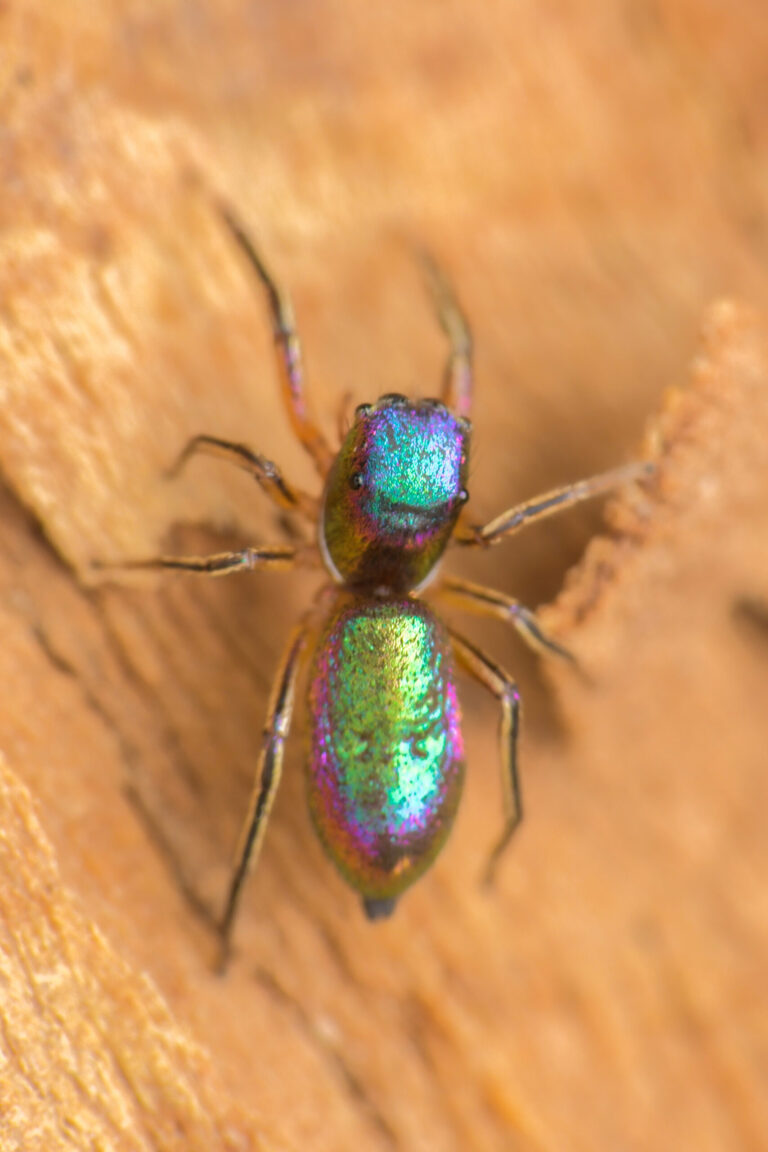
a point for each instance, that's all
(266, 474)
(343, 411)
(469, 597)
(503, 687)
(221, 564)
(526, 513)
(457, 377)
(269, 770)
(290, 361)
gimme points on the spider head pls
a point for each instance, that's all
(394, 493)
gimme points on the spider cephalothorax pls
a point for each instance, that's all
(394, 493)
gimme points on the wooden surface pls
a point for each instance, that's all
(595, 185)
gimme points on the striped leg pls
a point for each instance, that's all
(484, 601)
(266, 474)
(457, 380)
(276, 728)
(521, 515)
(503, 687)
(290, 361)
(221, 564)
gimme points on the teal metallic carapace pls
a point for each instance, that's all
(394, 493)
(386, 759)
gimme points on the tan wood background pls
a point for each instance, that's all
(594, 178)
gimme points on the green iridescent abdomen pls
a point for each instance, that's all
(386, 759)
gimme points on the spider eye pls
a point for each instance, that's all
(356, 480)
(463, 496)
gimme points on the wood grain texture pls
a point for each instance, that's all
(594, 184)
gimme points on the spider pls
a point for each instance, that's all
(385, 757)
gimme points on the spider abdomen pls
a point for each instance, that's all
(385, 764)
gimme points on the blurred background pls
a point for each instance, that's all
(594, 179)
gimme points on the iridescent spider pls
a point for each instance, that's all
(385, 758)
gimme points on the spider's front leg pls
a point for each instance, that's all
(289, 356)
(458, 376)
(549, 503)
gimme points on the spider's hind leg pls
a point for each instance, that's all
(504, 688)
(268, 773)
